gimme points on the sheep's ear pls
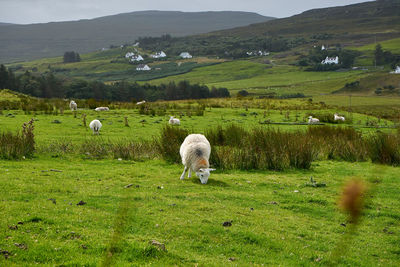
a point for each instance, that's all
(209, 169)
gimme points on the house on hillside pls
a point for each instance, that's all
(257, 53)
(143, 67)
(137, 58)
(330, 60)
(158, 55)
(323, 47)
(129, 54)
(185, 55)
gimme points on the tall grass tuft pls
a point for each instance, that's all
(170, 141)
(17, 146)
(339, 143)
(385, 149)
(236, 148)
(134, 150)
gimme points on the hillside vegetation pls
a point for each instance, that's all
(27, 42)
(356, 24)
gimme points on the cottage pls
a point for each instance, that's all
(129, 54)
(137, 58)
(323, 47)
(143, 67)
(159, 55)
(330, 60)
(185, 55)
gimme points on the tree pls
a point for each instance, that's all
(3, 77)
(71, 56)
(379, 56)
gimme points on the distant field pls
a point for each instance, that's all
(367, 59)
(392, 45)
(260, 78)
(111, 65)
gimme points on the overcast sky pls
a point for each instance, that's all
(37, 11)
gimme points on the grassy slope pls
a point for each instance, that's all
(367, 59)
(111, 65)
(188, 216)
(261, 78)
(344, 23)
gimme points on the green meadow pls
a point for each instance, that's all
(260, 79)
(63, 207)
(75, 203)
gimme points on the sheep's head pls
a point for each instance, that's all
(310, 117)
(203, 174)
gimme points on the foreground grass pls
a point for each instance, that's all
(271, 223)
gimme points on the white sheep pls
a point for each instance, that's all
(72, 105)
(174, 121)
(102, 109)
(195, 152)
(338, 118)
(95, 125)
(141, 102)
(312, 120)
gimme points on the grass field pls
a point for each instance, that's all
(271, 218)
(261, 78)
(111, 65)
(276, 219)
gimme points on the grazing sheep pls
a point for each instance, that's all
(338, 118)
(195, 152)
(312, 120)
(102, 109)
(174, 121)
(141, 102)
(72, 105)
(95, 125)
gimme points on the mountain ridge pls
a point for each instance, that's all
(32, 41)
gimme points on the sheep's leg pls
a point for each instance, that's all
(190, 173)
(183, 174)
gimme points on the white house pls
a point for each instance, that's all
(143, 67)
(257, 53)
(185, 55)
(137, 58)
(330, 60)
(129, 54)
(323, 47)
(158, 55)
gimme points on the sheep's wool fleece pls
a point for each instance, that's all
(194, 147)
(95, 125)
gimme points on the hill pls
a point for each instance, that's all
(354, 25)
(5, 24)
(358, 21)
(26, 42)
